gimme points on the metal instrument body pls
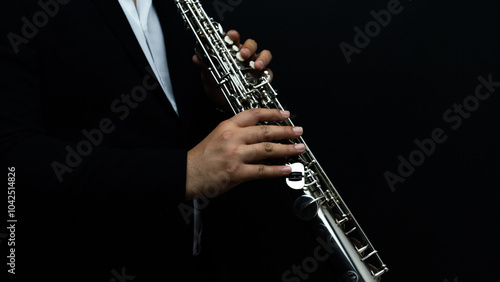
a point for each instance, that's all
(358, 259)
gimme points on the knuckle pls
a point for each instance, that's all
(268, 147)
(227, 130)
(251, 112)
(227, 135)
(262, 170)
(266, 133)
(257, 112)
(254, 111)
(226, 124)
(265, 129)
(232, 167)
(264, 114)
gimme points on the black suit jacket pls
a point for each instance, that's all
(100, 157)
(99, 153)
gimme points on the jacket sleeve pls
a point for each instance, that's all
(148, 178)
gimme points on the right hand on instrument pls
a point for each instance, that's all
(234, 153)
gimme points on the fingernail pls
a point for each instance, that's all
(298, 130)
(286, 169)
(300, 147)
(285, 114)
(259, 65)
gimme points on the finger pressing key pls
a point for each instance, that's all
(254, 116)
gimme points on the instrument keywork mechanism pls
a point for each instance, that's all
(356, 259)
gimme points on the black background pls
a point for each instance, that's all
(441, 222)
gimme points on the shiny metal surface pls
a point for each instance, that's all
(356, 259)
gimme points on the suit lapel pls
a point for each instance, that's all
(116, 19)
(179, 43)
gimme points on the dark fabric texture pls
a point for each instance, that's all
(100, 154)
(100, 157)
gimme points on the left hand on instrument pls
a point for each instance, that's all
(248, 51)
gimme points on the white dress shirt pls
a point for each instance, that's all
(146, 26)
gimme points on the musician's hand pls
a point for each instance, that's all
(248, 51)
(234, 153)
